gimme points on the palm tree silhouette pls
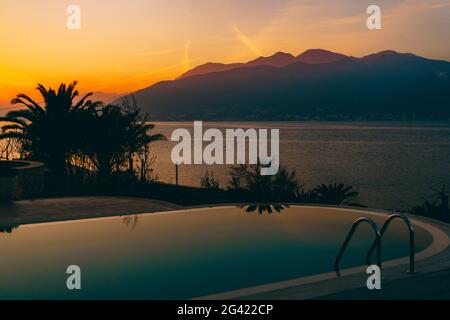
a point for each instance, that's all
(306, 196)
(115, 135)
(49, 133)
(267, 193)
(335, 194)
(441, 195)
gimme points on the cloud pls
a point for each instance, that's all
(301, 19)
(247, 42)
(406, 10)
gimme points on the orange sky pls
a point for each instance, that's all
(124, 45)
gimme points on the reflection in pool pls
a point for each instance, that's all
(8, 229)
(185, 254)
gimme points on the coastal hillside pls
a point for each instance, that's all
(315, 85)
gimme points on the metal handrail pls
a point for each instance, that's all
(349, 237)
(411, 238)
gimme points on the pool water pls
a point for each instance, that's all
(185, 254)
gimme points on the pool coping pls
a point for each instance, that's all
(57, 209)
(351, 278)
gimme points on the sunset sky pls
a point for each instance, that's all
(124, 45)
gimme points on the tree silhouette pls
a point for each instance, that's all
(268, 193)
(335, 194)
(49, 133)
(306, 196)
(116, 134)
(209, 181)
(441, 195)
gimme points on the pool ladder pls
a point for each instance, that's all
(377, 242)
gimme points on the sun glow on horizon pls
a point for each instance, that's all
(124, 46)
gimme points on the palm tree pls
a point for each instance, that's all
(441, 195)
(306, 196)
(335, 194)
(208, 181)
(116, 134)
(49, 133)
(267, 193)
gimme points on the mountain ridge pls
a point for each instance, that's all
(278, 59)
(384, 85)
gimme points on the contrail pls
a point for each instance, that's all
(185, 65)
(245, 40)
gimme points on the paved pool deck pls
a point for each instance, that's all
(432, 286)
(63, 209)
(430, 282)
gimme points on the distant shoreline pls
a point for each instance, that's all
(431, 121)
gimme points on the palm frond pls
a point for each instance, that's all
(29, 106)
(13, 135)
(71, 92)
(36, 105)
(18, 114)
(156, 137)
(14, 120)
(81, 104)
(43, 91)
(9, 127)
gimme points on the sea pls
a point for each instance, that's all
(391, 164)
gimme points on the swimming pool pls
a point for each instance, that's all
(186, 254)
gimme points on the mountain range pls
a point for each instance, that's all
(279, 59)
(315, 85)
